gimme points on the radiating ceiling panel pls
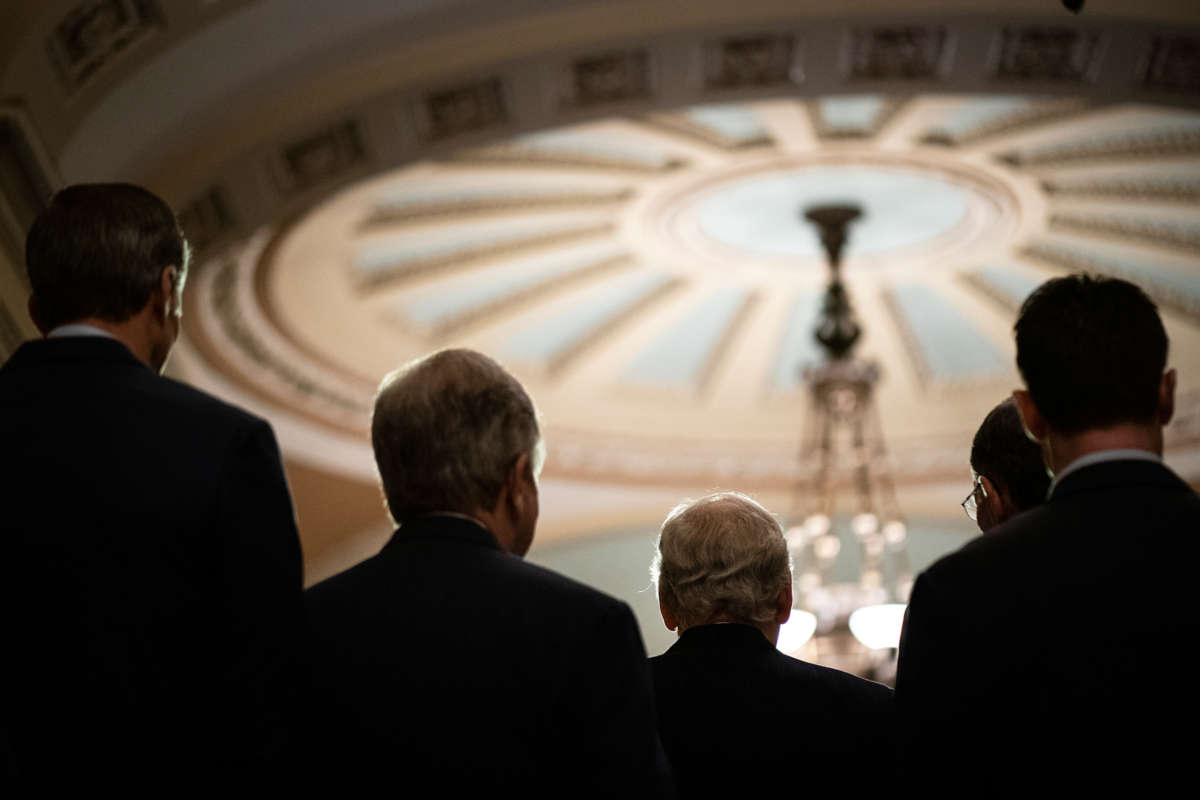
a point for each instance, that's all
(1175, 137)
(946, 343)
(1009, 284)
(409, 200)
(851, 114)
(982, 112)
(581, 148)
(726, 125)
(552, 336)
(397, 254)
(460, 299)
(1160, 179)
(1164, 282)
(798, 348)
(984, 116)
(1179, 232)
(682, 355)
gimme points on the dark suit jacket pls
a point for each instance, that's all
(1060, 647)
(451, 663)
(738, 718)
(152, 581)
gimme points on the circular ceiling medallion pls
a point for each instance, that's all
(653, 283)
(914, 209)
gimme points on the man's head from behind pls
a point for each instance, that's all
(106, 252)
(1092, 351)
(1010, 474)
(454, 432)
(723, 558)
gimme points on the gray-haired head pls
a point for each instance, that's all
(446, 431)
(722, 557)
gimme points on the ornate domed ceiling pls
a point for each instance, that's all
(606, 195)
(652, 281)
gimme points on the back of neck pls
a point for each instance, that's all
(1062, 450)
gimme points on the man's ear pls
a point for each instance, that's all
(165, 299)
(996, 506)
(1166, 397)
(1031, 419)
(35, 315)
(783, 603)
(667, 617)
(519, 481)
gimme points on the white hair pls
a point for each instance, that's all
(721, 557)
(446, 431)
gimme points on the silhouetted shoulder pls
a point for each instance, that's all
(850, 687)
(560, 585)
(189, 399)
(988, 558)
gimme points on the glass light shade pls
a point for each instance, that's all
(796, 632)
(878, 626)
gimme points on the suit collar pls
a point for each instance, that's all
(1116, 475)
(72, 349)
(443, 528)
(729, 638)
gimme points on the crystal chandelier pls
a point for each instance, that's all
(856, 624)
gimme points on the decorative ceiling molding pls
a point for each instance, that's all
(189, 138)
(1054, 54)
(898, 53)
(1173, 63)
(208, 220)
(751, 61)
(95, 33)
(459, 110)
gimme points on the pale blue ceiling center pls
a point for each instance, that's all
(763, 214)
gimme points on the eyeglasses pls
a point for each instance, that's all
(971, 504)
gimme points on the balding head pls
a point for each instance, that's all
(722, 558)
(448, 430)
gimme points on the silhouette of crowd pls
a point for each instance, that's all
(158, 638)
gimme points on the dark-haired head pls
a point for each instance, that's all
(1011, 464)
(1092, 351)
(98, 251)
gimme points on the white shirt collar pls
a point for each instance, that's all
(76, 329)
(1100, 457)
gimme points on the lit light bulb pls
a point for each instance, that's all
(895, 532)
(817, 525)
(864, 524)
(826, 548)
